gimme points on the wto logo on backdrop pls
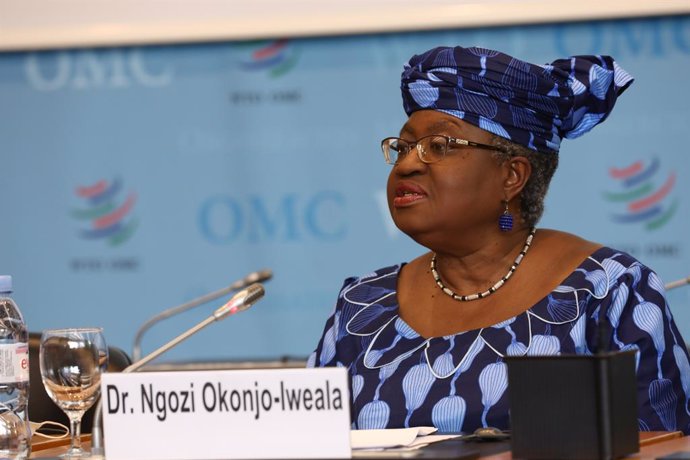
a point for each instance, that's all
(274, 59)
(644, 197)
(106, 216)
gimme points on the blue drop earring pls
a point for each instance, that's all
(505, 222)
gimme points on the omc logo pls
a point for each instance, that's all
(105, 69)
(657, 37)
(643, 194)
(292, 217)
(276, 58)
(109, 218)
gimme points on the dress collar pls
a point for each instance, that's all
(370, 309)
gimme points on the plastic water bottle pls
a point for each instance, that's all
(14, 376)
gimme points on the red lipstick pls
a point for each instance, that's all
(408, 193)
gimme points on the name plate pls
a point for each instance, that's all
(250, 414)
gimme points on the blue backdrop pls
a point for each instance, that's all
(134, 179)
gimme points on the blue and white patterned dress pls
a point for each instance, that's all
(458, 382)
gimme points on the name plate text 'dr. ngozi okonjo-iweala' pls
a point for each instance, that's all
(281, 413)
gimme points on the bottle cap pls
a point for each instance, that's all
(5, 284)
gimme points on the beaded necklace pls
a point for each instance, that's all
(492, 289)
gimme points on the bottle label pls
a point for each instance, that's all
(14, 362)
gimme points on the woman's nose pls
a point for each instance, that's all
(412, 162)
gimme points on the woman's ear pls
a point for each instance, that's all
(518, 171)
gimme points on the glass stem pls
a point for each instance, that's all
(75, 429)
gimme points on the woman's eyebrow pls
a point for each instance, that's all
(442, 126)
(439, 126)
(405, 130)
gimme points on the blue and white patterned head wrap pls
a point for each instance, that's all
(531, 105)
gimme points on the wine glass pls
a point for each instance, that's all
(72, 361)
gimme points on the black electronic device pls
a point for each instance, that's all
(573, 406)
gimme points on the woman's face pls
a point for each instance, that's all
(462, 192)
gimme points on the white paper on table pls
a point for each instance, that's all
(410, 438)
(422, 441)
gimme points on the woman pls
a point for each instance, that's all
(424, 342)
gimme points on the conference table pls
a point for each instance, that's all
(653, 445)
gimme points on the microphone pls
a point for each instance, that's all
(677, 283)
(259, 276)
(238, 303)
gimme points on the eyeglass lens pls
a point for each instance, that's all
(430, 148)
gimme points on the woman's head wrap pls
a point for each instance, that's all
(531, 105)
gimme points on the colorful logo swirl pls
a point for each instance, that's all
(110, 221)
(276, 57)
(644, 193)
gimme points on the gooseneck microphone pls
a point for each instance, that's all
(677, 283)
(259, 276)
(238, 303)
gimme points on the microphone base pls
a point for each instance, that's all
(573, 406)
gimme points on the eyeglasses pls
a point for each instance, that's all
(430, 149)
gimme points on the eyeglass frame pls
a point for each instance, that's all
(420, 150)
